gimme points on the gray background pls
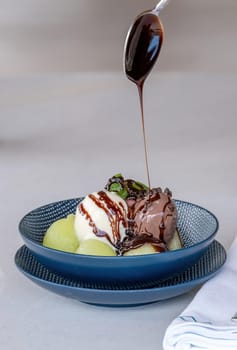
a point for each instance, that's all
(73, 35)
(69, 119)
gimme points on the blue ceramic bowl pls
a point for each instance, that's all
(196, 225)
(121, 295)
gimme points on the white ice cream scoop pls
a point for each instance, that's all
(103, 216)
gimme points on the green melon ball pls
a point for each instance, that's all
(61, 235)
(176, 242)
(143, 250)
(95, 247)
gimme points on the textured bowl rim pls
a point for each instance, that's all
(144, 256)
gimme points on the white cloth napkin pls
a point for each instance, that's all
(208, 322)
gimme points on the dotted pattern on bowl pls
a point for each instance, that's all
(195, 223)
(210, 262)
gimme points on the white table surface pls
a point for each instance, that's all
(63, 136)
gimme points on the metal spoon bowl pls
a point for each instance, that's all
(143, 44)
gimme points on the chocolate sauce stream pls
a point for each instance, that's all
(142, 49)
(140, 91)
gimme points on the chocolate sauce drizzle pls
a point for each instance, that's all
(135, 236)
(139, 240)
(116, 214)
(140, 203)
(96, 231)
(142, 49)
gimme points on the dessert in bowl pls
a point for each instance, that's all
(127, 232)
(130, 245)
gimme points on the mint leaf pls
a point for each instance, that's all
(123, 193)
(115, 187)
(119, 175)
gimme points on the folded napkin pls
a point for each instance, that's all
(210, 320)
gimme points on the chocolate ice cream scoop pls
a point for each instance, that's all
(154, 215)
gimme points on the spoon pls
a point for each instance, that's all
(142, 48)
(161, 5)
(143, 44)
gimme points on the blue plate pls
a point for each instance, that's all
(118, 295)
(196, 225)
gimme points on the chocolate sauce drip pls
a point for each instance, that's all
(116, 214)
(95, 229)
(151, 216)
(162, 225)
(142, 50)
(140, 91)
(138, 241)
(151, 219)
